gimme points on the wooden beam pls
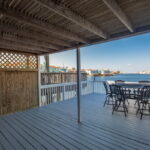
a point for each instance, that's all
(118, 12)
(41, 25)
(29, 41)
(21, 45)
(15, 48)
(1, 16)
(72, 16)
(35, 35)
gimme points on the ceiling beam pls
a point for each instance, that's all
(35, 35)
(29, 41)
(118, 12)
(41, 25)
(21, 45)
(72, 16)
(1, 16)
(15, 48)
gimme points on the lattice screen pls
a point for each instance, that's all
(11, 60)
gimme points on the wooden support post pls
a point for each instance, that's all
(47, 70)
(39, 81)
(47, 62)
(78, 83)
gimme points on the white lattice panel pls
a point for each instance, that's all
(32, 62)
(12, 60)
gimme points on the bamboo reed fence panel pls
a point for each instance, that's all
(18, 82)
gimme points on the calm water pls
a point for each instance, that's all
(125, 77)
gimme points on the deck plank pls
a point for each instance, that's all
(55, 127)
(10, 137)
(64, 132)
(63, 125)
(47, 128)
(26, 135)
(133, 142)
(90, 130)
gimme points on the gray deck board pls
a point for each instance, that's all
(55, 127)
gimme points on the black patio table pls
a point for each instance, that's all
(133, 87)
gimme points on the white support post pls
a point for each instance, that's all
(39, 81)
(78, 83)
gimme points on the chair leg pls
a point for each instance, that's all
(138, 107)
(108, 100)
(128, 102)
(105, 101)
(118, 105)
(142, 111)
(135, 102)
(125, 113)
(125, 109)
(114, 107)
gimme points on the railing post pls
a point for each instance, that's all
(78, 83)
(39, 81)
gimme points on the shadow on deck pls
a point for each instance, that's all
(55, 127)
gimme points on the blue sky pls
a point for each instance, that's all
(127, 55)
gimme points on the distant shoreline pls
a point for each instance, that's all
(98, 74)
(113, 74)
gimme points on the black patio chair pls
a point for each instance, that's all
(136, 95)
(144, 101)
(120, 100)
(137, 91)
(109, 94)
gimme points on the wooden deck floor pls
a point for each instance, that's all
(54, 127)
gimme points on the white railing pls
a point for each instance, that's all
(59, 92)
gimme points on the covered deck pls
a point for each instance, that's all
(33, 28)
(55, 127)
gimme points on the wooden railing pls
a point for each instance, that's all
(56, 78)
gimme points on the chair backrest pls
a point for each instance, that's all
(119, 91)
(145, 93)
(113, 89)
(106, 86)
(119, 81)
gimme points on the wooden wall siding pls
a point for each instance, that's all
(18, 90)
